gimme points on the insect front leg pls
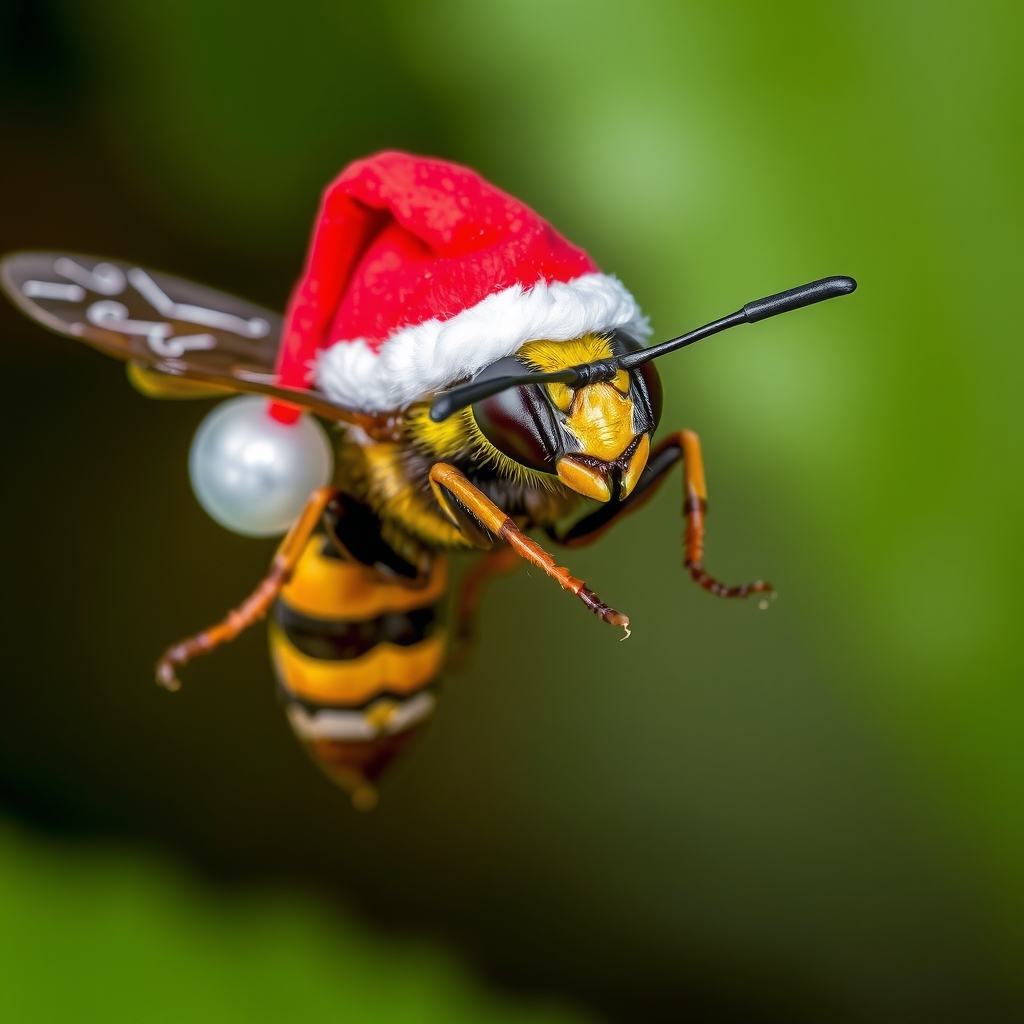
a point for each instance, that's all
(684, 447)
(695, 506)
(480, 520)
(255, 606)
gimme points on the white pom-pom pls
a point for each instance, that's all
(253, 474)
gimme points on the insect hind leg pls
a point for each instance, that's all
(256, 605)
(499, 562)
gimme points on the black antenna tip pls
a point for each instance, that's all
(797, 298)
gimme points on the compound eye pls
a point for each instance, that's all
(513, 421)
(645, 375)
(652, 385)
(518, 421)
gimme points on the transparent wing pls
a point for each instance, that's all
(159, 322)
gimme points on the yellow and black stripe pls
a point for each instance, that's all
(357, 653)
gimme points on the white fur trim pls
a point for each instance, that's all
(420, 360)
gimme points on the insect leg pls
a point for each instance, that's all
(255, 606)
(465, 504)
(498, 562)
(695, 506)
(684, 446)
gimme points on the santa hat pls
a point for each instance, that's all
(420, 273)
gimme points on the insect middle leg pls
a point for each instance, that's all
(499, 562)
(255, 606)
(480, 519)
(683, 446)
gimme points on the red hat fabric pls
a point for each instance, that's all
(420, 273)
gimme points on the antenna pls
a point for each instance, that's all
(449, 402)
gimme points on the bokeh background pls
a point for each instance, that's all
(810, 814)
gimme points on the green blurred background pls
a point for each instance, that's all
(811, 814)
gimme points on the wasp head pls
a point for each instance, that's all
(594, 437)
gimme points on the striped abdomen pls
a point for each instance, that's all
(356, 654)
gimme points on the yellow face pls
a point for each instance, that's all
(599, 420)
